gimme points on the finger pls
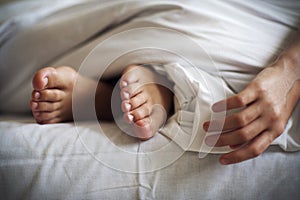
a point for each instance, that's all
(243, 98)
(234, 121)
(251, 150)
(238, 137)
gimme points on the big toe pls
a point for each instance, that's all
(41, 78)
(50, 77)
(129, 76)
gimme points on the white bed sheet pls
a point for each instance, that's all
(50, 162)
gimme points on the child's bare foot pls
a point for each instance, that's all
(52, 95)
(141, 92)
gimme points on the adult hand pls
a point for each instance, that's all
(267, 103)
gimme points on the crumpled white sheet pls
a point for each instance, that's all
(193, 99)
(51, 162)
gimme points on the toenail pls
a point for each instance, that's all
(34, 105)
(130, 117)
(37, 95)
(127, 106)
(124, 84)
(126, 95)
(45, 80)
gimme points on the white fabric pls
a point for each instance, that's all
(50, 162)
(240, 38)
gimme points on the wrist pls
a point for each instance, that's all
(289, 62)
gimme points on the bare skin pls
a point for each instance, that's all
(52, 95)
(53, 90)
(269, 101)
(141, 92)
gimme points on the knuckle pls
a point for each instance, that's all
(280, 128)
(241, 100)
(260, 87)
(255, 151)
(240, 119)
(274, 118)
(275, 114)
(247, 117)
(244, 135)
(269, 103)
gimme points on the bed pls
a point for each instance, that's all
(92, 160)
(50, 162)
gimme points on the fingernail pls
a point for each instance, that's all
(124, 84)
(45, 80)
(205, 126)
(34, 105)
(127, 106)
(211, 140)
(224, 161)
(126, 95)
(37, 95)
